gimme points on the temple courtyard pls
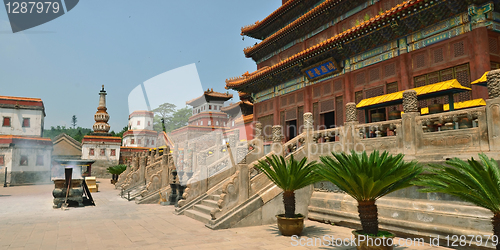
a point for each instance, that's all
(28, 221)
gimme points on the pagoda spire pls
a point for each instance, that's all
(101, 117)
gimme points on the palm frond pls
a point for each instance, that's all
(477, 182)
(368, 177)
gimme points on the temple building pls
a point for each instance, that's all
(101, 146)
(140, 135)
(207, 116)
(140, 130)
(240, 117)
(316, 56)
(24, 154)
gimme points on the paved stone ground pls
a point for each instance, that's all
(28, 221)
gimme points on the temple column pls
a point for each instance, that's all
(480, 60)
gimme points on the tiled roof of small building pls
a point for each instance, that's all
(213, 94)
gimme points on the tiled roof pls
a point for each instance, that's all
(211, 93)
(235, 105)
(7, 139)
(342, 37)
(141, 113)
(269, 18)
(24, 101)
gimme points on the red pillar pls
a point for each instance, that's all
(404, 76)
(480, 60)
(348, 88)
(307, 99)
(276, 110)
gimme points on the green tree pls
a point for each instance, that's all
(164, 111)
(120, 134)
(367, 178)
(73, 121)
(178, 119)
(472, 181)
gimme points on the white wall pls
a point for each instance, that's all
(97, 152)
(16, 122)
(127, 141)
(143, 123)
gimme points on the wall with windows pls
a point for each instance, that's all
(23, 122)
(103, 152)
(26, 164)
(132, 140)
(140, 122)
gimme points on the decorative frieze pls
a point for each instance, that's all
(351, 114)
(493, 84)
(410, 101)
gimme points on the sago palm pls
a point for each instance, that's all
(289, 175)
(367, 178)
(472, 181)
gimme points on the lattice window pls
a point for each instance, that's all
(317, 91)
(446, 75)
(360, 78)
(374, 74)
(326, 106)
(493, 44)
(339, 110)
(419, 61)
(391, 87)
(459, 49)
(420, 81)
(433, 78)
(300, 97)
(267, 124)
(283, 101)
(390, 69)
(264, 107)
(327, 88)
(316, 114)
(291, 99)
(438, 55)
(291, 114)
(463, 77)
(494, 65)
(377, 91)
(358, 96)
(338, 85)
(271, 105)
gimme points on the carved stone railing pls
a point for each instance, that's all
(460, 119)
(379, 129)
(327, 135)
(294, 144)
(160, 176)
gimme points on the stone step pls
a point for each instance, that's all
(214, 197)
(209, 203)
(199, 216)
(204, 209)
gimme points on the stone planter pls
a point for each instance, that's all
(290, 226)
(372, 242)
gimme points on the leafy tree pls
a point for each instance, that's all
(178, 120)
(73, 121)
(164, 112)
(120, 134)
(472, 181)
(367, 178)
(75, 133)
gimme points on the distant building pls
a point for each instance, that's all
(66, 148)
(100, 145)
(140, 136)
(23, 152)
(140, 130)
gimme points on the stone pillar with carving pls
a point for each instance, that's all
(277, 146)
(309, 130)
(142, 167)
(493, 109)
(408, 132)
(351, 112)
(258, 141)
(350, 136)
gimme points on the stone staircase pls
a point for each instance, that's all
(201, 210)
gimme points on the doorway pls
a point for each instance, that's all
(291, 127)
(329, 120)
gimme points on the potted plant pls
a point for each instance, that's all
(289, 175)
(115, 171)
(472, 181)
(366, 179)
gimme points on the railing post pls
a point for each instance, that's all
(277, 145)
(349, 138)
(493, 109)
(142, 167)
(259, 140)
(408, 124)
(309, 130)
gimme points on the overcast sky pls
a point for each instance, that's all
(123, 44)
